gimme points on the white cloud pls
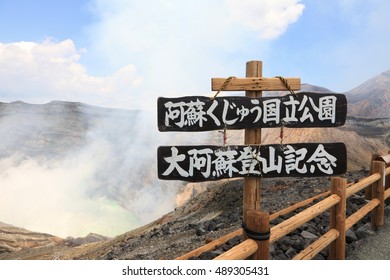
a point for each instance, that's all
(268, 18)
(139, 50)
(41, 72)
(178, 46)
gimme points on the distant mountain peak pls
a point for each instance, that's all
(313, 88)
(386, 73)
(371, 99)
(18, 102)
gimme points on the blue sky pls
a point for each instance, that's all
(125, 53)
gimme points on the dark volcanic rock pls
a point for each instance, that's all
(290, 253)
(200, 232)
(350, 236)
(364, 231)
(308, 235)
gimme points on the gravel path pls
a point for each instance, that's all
(374, 247)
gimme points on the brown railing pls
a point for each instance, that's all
(335, 200)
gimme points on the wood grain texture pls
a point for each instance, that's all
(255, 84)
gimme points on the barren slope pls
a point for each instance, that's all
(13, 239)
(371, 99)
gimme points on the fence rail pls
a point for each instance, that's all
(377, 187)
(222, 240)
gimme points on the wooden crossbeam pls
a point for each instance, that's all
(255, 84)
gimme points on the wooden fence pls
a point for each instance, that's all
(377, 187)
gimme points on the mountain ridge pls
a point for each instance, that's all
(368, 126)
(371, 99)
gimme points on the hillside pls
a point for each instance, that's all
(13, 239)
(93, 169)
(55, 128)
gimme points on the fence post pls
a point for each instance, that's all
(387, 183)
(368, 192)
(337, 218)
(258, 229)
(378, 188)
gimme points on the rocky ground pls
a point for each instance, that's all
(211, 214)
(222, 214)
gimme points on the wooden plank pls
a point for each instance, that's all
(387, 194)
(359, 214)
(297, 205)
(240, 252)
(378, 188)
(385, 159)
(317, 246)
(255, 84)
(199, 113)
(223, 239)
(205, 163)
(362, 184)
(368, 191)
(210, 246)
(306, 215)
(337, 219)
(387, 178)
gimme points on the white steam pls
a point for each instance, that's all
(103, 182)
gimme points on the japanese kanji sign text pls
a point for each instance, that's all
(203, 163)
(198, 113)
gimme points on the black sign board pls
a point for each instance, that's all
(199, 113)
(204, 163)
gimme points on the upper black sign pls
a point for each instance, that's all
(203, 163)
(199, 113)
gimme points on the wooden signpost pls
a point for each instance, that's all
(252, 160)
(198, 113)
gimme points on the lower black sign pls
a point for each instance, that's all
(204, 163)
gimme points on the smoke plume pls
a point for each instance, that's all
(69, 169)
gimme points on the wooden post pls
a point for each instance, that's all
(259, 223)
(368, 192)
(251, 199)
(377, 215)
(387, 183)
(337, 218)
